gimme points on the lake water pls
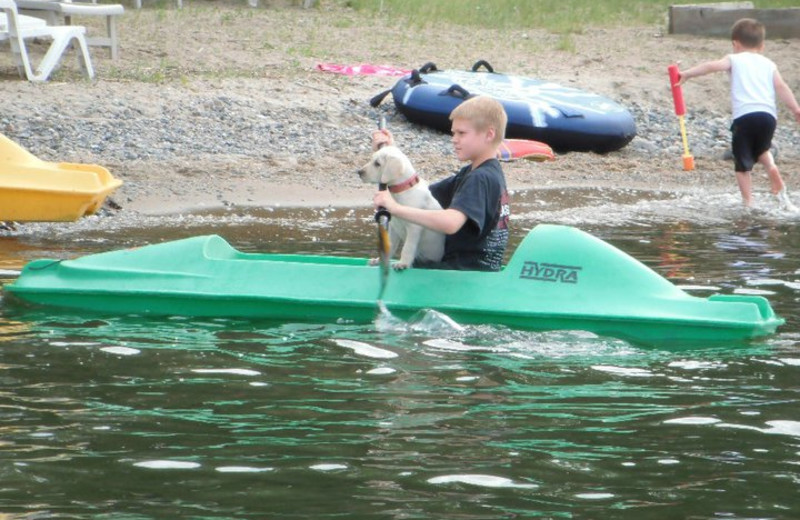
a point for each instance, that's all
(130, 418)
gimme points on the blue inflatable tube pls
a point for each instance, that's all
(567, 119)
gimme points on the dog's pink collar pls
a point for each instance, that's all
(405, 185)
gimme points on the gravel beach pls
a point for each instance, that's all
(238, 114)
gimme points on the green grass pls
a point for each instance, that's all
(558, 16)
(566, 43)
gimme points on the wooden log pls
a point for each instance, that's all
(717, 19)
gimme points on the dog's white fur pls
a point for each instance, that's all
(390, 166)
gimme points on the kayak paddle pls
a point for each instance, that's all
(382, 217)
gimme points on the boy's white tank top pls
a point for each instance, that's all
(752, 84)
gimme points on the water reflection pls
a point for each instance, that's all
(277, 407)
(133, 417)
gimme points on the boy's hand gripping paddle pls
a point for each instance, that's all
(382, 217)
(680, 111)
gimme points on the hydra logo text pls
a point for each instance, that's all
(550, 272)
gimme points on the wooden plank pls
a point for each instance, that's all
(717, 19)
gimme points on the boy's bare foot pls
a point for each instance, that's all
(784, 202)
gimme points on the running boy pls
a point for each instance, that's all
(755, 82)
(475, 200)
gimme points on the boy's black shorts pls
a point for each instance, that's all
(752, 135)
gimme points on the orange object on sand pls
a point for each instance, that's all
(513, 149)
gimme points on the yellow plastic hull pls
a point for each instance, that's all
(36, 190)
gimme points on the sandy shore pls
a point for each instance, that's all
(238, 115)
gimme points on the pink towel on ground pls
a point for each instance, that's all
(364, 68)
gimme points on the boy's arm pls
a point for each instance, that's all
(708, 67)
(447, 221)
(785, 94)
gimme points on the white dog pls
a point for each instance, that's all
(390, 166)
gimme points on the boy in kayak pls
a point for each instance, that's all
(755, 82)
(475, 200)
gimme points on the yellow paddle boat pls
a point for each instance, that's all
(35, 190)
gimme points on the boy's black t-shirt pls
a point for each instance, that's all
(481, 195)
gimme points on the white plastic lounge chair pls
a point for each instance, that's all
(24, 21)
(307, 4)
(61, 13)
(178, 3)
(16, 32)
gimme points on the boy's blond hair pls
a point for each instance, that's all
(749, 32)
(484, 113)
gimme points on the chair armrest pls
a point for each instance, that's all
(72, 9)
(91, 9)
(38, 5)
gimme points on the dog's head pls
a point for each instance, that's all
(387, 166)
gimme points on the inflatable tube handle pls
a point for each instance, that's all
(415, 79)
(677, 91)
(428, 67)
(570, 112)
(456, 91)
(482, 63)
(378, 98)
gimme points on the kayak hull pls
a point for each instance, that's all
(652, 331)
(36, 190)
(559, 278)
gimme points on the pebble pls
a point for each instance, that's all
(708, 133)
(220, 125)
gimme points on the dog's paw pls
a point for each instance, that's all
(400, 266)
(374, 261)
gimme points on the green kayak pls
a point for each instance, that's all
(558, 278)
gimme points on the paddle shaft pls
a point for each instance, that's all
(382, 217)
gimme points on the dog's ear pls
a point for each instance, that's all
(392, 169)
